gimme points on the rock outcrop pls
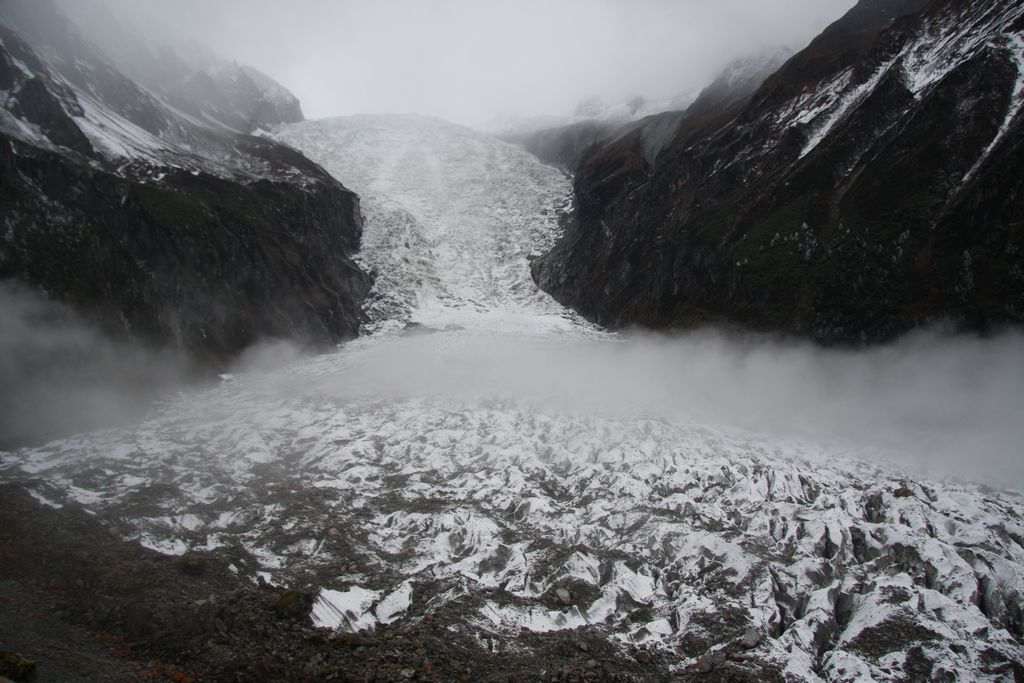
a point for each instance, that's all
(870, 185)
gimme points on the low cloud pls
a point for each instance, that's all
(940, 404)
(470, 60)
(61, 375)
(943, 405)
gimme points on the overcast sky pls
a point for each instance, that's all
(470, 60)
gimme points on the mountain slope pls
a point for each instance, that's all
(566, 146)
(159, 225)
(869, 186)
(192, 78)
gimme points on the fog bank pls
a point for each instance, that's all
(471, 60)
(61, 375)
(942, 404)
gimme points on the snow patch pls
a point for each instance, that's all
(349, 610)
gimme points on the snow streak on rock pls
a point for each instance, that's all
(956, 35)
(401, 488)
(1014, 47)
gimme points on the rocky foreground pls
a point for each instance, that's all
(83, 606)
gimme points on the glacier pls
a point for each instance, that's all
(484, 447)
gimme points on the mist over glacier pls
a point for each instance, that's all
(939, 404)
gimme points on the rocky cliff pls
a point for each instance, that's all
(156, 225)
(870, 185)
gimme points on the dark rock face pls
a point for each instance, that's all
(170, 233)
(202, 263)
(565, 147)
(872, 184)
(35, 104)
(255, 98)
(240, 97)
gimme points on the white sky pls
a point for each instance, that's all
(471, 60)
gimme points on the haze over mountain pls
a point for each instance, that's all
(469, 61)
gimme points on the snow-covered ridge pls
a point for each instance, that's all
(742, 75)
(624, 111)
(956, 34)
(1014, 46)
(188, 76)
(945, 37)
(753, 68)
(133, 129)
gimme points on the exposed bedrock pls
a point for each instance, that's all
(870, 186)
